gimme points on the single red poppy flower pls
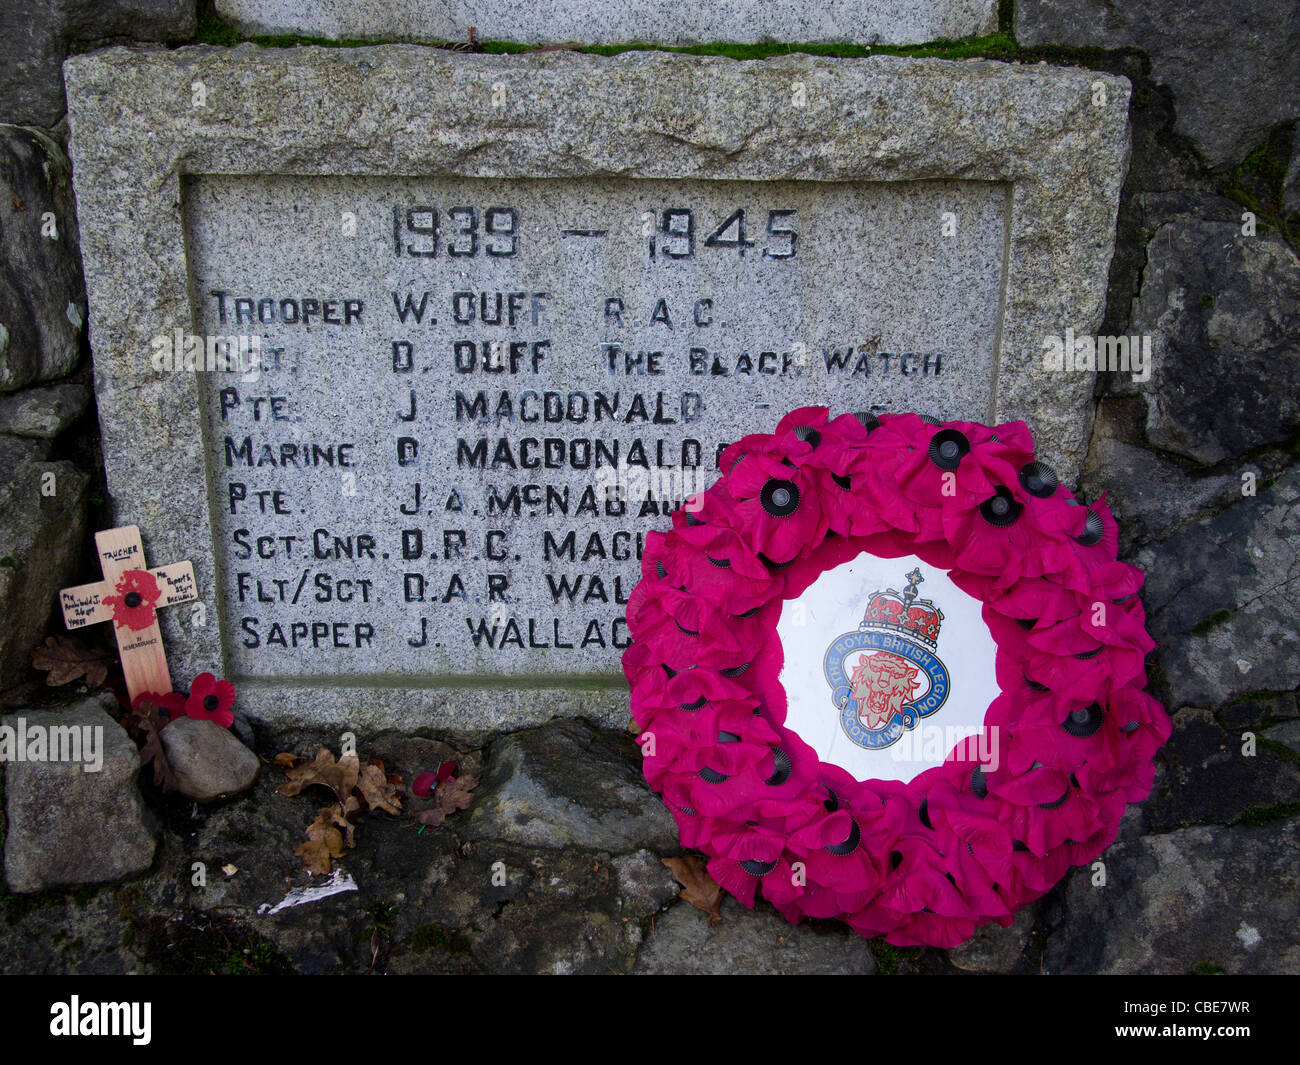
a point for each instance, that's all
(211, 700)
(425, 784)
(133, 605)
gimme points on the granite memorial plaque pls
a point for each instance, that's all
(408, 350)
(612, 21)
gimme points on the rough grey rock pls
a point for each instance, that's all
(209, 762)
(35, 36)
(31, 51)
(419, 901)
(1222, 596)
(149, 925)
(1223, 310)
(1287, 734)
(68, 936)
(243, 728)
(254, 837)
(412, 755)
(504, 908)
(644, 883)
(1259, 709)
(43, 412)
(994, 949)
(569, 784)
(1291, 186)
(1200, 899)
(1151, 495)
(614, 21)
(67, 825)
(1203, 776)
(140, 20)
(42, 529)
(754, 941)
(423, 901)
(42, 299)
(1234, 68)
(1132, 825)
(16, 451)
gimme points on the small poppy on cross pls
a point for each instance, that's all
(130, 596)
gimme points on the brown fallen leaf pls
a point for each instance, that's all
(698, 888)
(314, 857)
(65, 658)
(152, 753)
(340, 777)
(324, 841)
(379, 794)
(358, 789)
(144, 722)
(452, 795)
(346, 816)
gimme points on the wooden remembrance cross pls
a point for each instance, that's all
(129, 596)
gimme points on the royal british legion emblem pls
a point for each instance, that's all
(886, 677)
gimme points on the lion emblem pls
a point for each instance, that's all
(881, 684)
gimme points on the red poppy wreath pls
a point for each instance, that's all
(889, 670)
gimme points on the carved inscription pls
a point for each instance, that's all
(467, 401)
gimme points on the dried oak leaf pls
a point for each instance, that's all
(698, 888)
(324, 841)
(452, 795)
(375, 789)
(65, 658)
(340, 777)
(144, 722)
(286, 759)
(346, 817)
(152, 753)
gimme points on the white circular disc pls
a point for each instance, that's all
(874, 695)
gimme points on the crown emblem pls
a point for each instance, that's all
(904, 614)
(885, 677)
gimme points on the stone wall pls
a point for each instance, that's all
(1199, 463)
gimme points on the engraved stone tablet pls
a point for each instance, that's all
(408, 350)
